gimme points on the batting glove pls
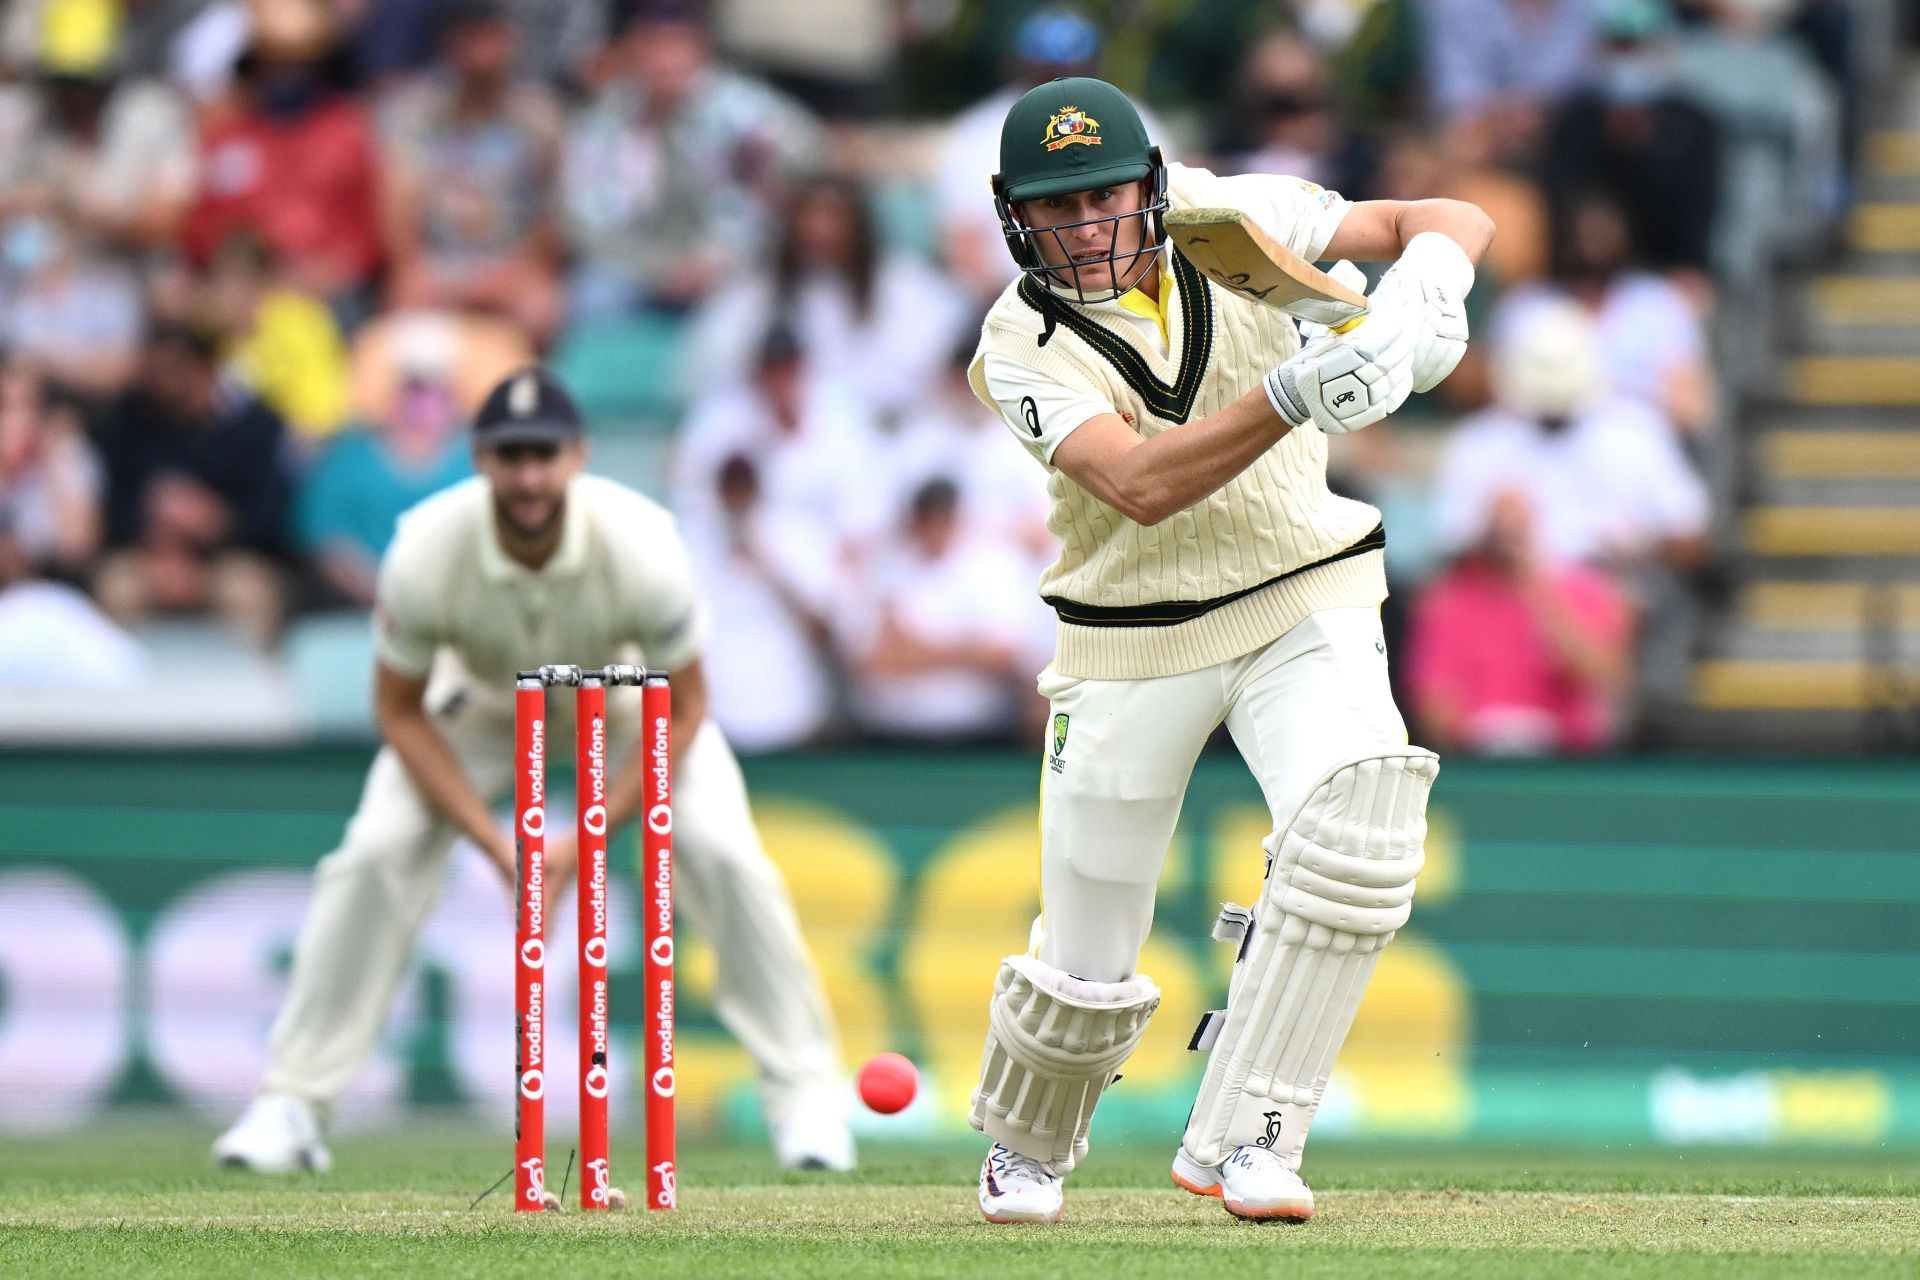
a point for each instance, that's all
(1430, 280)
(1344, 382)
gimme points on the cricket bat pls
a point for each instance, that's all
(1226, 246)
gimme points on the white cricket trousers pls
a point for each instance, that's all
(1315, 698)
(372, 895)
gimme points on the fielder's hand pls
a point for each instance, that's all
(1344, 382)
(1430, 281)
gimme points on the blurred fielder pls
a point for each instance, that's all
(1207, 575)
(533, 562)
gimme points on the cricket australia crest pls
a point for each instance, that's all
(1069, 126)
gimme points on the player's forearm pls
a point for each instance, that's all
(1467, 225)
(1177, 468)
(430, 762)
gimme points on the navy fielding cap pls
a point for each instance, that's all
(528, 407)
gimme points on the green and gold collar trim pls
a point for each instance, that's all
(1173, 403)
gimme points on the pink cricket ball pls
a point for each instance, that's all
(888, 1083)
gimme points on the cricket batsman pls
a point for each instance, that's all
(527, 563)
(1207, 575)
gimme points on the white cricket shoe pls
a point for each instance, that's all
(1017, 1188)
(814, 1138)
(275, 1134)
(1252, 1183)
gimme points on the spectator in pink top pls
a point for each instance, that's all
(1512, 654)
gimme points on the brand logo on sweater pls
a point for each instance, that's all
(1071, 125)
(1030, 414)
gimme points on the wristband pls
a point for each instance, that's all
(1283, 393)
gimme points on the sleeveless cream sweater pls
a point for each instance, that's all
(1235, 571)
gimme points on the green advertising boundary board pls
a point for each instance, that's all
(1634, 950)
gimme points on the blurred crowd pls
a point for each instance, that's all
(258, 258)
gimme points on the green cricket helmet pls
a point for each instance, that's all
(1078, 134)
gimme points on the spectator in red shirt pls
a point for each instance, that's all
(293, 161)
(1512, 654)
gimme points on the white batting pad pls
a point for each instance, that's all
(1054, 1043)
(1340, 883)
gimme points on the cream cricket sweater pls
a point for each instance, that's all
(1231, 573)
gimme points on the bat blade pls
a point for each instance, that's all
(1229, 249)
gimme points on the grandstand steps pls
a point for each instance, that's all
(1741, 685)
(1852, 379)
(1818, 648)
(1817, 610)
(1860, 314)
(1845, 532)
(1844, 463)
(1886, 492)
(1800, 707)
(1815, 644)
(1885, 226)
(1893, 155)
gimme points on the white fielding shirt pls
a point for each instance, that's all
(618, 588)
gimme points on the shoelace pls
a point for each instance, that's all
(1011, 1163)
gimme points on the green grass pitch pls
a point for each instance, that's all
(141, 1200)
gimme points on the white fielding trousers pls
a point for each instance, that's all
(1315, 698)
(372, 895)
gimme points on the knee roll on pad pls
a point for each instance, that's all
(1054, 1043)
(1340, 883)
